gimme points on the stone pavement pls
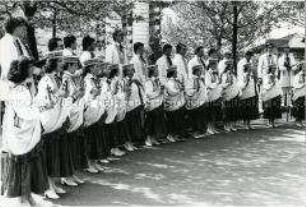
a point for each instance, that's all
(264, 167)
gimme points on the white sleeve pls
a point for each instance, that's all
(259, 67)
(84, 57)
(8, 54)
(281, 64)
(109, 54)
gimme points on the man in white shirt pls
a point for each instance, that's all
(196, 60)
(180, 61)
(287, 65)
(139, 62)
(70, 45)
(222, 64)
(11, 47)
(164, 63)
(115, 52)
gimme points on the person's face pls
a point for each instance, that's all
(60, 45)
(184, 51)
(141, 50)
(155, 74)
(59, 68)
(227, 55)
(168, 52)
(106, 72)
(20, 31)
(120, 37)
(286, 50)
(92, 47)
(201, 53)
(198, 72)
(248, 57)
(74, 46)
(270, 50)
(72, 67)
(30, 70)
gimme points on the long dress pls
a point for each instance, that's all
(23, 167)
(299, 93)
(155, 122)
(54, 113)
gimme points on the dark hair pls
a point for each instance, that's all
(197, 50)
(116, 33)
(137, 45)
(211, 51)
(87, 42)
(113, 73)
(170, 73)
(69, 40)
(151, 73)
(166, 47)
(65, 65)
(52, 44)
(51, 65)
(13, 22)
(19, 70)
(248, 53)
(179, 47)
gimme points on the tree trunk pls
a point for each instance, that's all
(235, 34)
(54, 23)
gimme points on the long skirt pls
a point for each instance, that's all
(174, 122)
(58, 154)
(78, 149)
(249, 108)
(197, 118)
(92, 135)
(298, 110)
(231, 110)
(214, 111)
(24, 174)
(155, 123)
(272, 108)
(135, 123)
(104, 140)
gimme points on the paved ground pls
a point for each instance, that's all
(265, 167)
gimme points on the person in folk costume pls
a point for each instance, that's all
(70, 45)
(88, 44)
(174, 101)
(139, 62)
(286, 65)
(155, 124)
(230, 96)
(214, 94)
(23, 167)
(271, 96)
(54, 117)
(135, 117)
(181, 62)
(76, 116)
(94, 110)
(265, 61)
(299, 93)
(106, 130)
(222, 64)
(115, 52)
(212, 54)
(197, 60)
(121, 135)
(249, 93)
(196, 97)
(164, 63)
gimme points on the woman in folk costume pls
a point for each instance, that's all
(248, 97)
(76, 116)
(196, 97)
(23, 167)
(155, 124)
(54, 116)
(271, 96)
(135, 105)
(174, 101)
(299, 93)
(214, 94)
(93, 113)
(230, 97)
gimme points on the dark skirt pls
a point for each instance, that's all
(272, 108)
(135, 122)
(24, 174)
(92, 135)
(78, 149)
(58, 154)
(231, 110)
(197, 118)
(175, 125)
(249, 108)
(214, 111)
(155, 123)
(298, 110)
(104, 140)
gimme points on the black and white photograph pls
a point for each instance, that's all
(196, 103)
